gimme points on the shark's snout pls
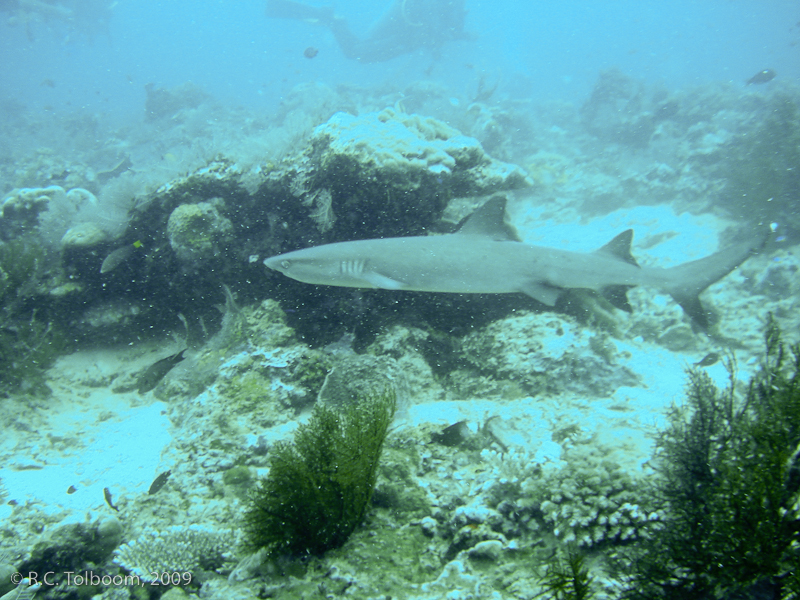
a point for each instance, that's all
(274, 263)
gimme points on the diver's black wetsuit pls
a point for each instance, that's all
(407, 26)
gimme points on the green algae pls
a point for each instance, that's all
(729, 480)
(567, 577)
(319, 486)
(29, 343)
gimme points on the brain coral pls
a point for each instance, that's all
(197, 232)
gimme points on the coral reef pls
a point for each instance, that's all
(163, 103)
(319, 486)
(501, 478)
(394, 181)
(53, 209)
(400, 167)
(186, 550)
(586, 500)
(84, 235)
(621, 110)
(423, 149)
(760, 165)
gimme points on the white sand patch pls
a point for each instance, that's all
(669, 238)
(61, 452)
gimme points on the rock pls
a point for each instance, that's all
(620, 110)
(546, 353)
(71, 546)
(361, 375)
(428, 525)
(175, 593)
(488, 550)
(84, 235)
(198, 232)
(250, 566)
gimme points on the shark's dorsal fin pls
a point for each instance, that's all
(489, 220)
(620, 247)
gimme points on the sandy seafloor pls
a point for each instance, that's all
(94, 432)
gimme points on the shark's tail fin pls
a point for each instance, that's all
(688, 280)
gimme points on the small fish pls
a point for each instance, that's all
(118, 256)
(159, 482)
(310, 52)
(107, 496)
(153, 375)
(709, 359)
(762, 77)
(452, 435)
(48, 83)
(72, 489)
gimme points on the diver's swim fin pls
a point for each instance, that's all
(288, 9)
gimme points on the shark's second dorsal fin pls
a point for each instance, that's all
(490, 220)
(620, 247)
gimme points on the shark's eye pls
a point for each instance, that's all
(285, 264)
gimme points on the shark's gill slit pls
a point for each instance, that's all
(353, 268)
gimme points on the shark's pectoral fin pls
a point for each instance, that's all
(546, 294)
(381, 281)
(617, 295)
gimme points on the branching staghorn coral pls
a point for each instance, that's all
(585, 502)
(594, 501)
(178, 549)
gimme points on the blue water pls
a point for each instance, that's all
(102, 57)
(74, 126)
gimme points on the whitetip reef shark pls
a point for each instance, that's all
(485, 256)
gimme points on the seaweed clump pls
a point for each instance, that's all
(730, 478)
(319, 486)
(27, 348)
(567, 578)
(28, 343)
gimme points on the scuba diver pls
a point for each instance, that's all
(407, 26)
